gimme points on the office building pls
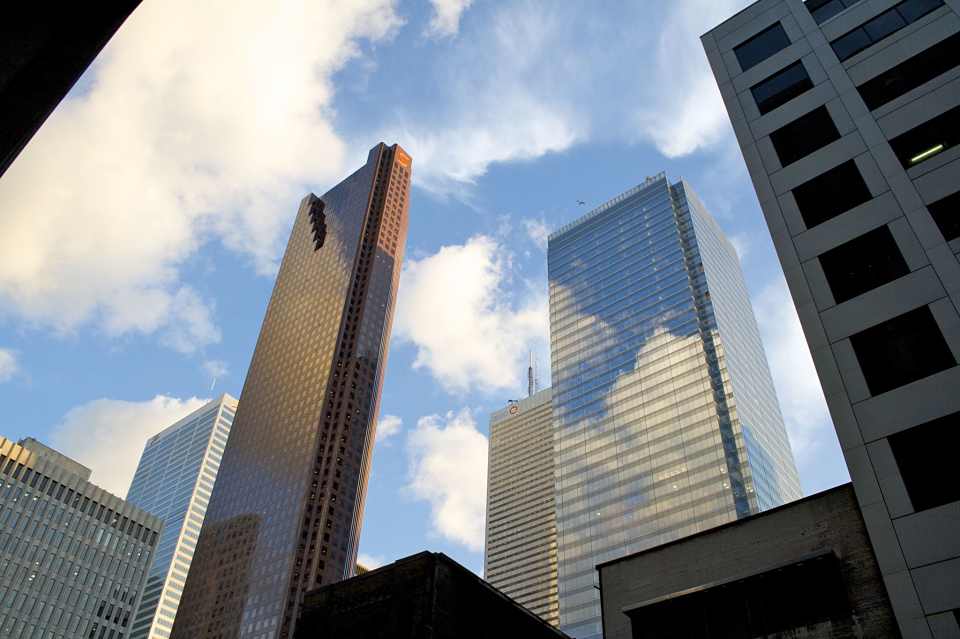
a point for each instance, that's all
(667, 422)
(44, 49)
(73, 557)
(424, 595)
(805, 569)
(520, 554)
(848, 116)
(173, 481)
(287, 506)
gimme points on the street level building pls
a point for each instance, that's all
(805, 569)
(848, 116)
(73, 557)
(287, 507)
(666, 419)
(173, 481)
(424, 596)
(520, 553)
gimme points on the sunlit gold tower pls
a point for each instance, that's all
(287, 506)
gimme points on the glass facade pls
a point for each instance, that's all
(173, 481)
(286, 509)
(73, 557)
(666, 418)
(520, 554)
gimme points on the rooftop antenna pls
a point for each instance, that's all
(531, 380)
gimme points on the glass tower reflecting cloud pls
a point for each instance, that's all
(666, 418)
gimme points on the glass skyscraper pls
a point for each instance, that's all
(287, 506)
(174, 481)
(666, 418)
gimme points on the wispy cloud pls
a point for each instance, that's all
(387, 427)
(445, 21)
(537, 231)
(8, 365)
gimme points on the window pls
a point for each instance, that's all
(923, 453)
(928, 139)
(878, 28)
(781, 87)
(863, 264)
(946, 213)
(901, 350)
(911, 73)
(761, 46)
(318, 221)
(823, 10)
(804, 135)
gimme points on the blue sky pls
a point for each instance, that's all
(142, 226)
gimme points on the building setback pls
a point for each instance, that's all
(286, 510)
(174, 480)
(666, 418)
(848, 116)
(520, 554)
(73, 557)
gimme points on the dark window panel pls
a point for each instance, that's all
(901, 350)
(913, 10)
(830, 194)
(922, 454)
(781, 87)
(851, 43)
(884, 24)
(804, 135)
(863, 264)
(946, 213)
(928, 139)
(823, 10)
(911, 73)
(761, 46)
(881, 26)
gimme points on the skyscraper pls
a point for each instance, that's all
(287, 507)
(73, 557)
(520, 554)
(848, 116)
(173, 481)
(666, 418)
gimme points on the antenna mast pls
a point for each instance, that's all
(531, 384)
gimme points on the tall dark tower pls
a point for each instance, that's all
(287, 506)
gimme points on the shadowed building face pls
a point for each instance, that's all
(299, 451)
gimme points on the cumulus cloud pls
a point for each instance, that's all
(448, 469)
(457, 310)
(202, 121)
(387, 427)
(8, 365)
(108, 435)
(537, 231)
(445, 21)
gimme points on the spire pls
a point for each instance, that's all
(531, 385)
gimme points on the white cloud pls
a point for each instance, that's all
(370, 562)
(388, 426)
(8, 365)
(202, 121)
(741, 244)
(537, 231)
(448, 469)
(108, 435)
(454, 306)
(216, 368)
(445, 21)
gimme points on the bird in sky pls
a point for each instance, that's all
(580, 202)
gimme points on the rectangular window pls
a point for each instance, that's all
(911, 73)
(781, 87)
(901, 350)
(804, 135)
(928, 139)
(761, 46)
(922, 454)
(863, 264)
(946, 213)
(823, 10)
(883, 25)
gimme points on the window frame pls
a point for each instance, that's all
(739, 49)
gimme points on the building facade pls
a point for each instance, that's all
(174, 480)
(666, 418)
(848, 116)
(286, 510)
(73, 557)
(520, 553)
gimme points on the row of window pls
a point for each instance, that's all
(823, 10)
(882, 26)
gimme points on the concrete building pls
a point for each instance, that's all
(666, 419)
(294, 474)
(801, 570)
(520, 552)
(174, 480)
(73, 557)
(427, 595)
(848, 116)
